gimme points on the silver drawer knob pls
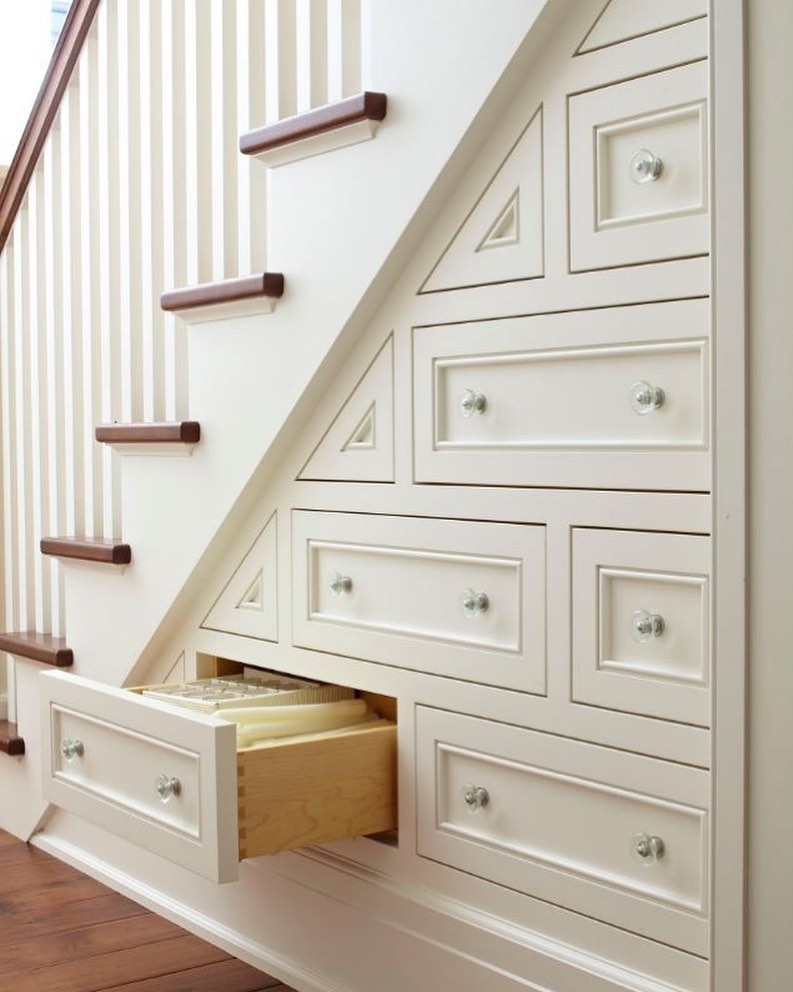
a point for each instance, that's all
(648, 848)
(473, 603)
(645, 167)
(475, 797)
(167, 787)
(647, 625)
(472, 403)
(646, 398)
(71, 748)
(340, 585)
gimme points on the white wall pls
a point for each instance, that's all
(771, 480)
(25, 50)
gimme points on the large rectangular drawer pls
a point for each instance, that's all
(450, 597)
(614, 398)
(620, 837)
(174, 783)
(641, 603)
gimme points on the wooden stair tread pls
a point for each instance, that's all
(88, 549)
(321, 120)
(32, 644)
(10, 741)
(178, 432)
(261, 285)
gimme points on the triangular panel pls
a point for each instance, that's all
(248, 603)
(622, 20)
(359, 444)
(501, 238)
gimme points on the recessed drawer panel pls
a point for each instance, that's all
(639, 170)
(450, 597)
(641, 637)
(173, 781)
(620, 837)
(608, 398)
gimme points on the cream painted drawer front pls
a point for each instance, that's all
(409, 591)
(641, 631)
(608, 398)
(639, 170)
(107, 750)
(619, 837)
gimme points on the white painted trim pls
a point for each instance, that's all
(728, 239)
(170, 449)
(220, 311)
(350, 134)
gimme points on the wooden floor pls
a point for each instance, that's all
(61, 931)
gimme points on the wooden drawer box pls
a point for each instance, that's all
(620, 837)
(108, 751)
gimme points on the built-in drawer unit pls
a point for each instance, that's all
(620, 837)
(639, 170)
(175, 782)
(641, 631)
(449, 597)
(613, 398)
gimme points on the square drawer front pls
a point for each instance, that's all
(639, 170)
(641, 632)
(620, 837)
(608, 398)
(173, 782)
(450, 597)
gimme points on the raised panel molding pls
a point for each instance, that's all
(501, 239)
(248, 603)
(359, 444)
(623, 20)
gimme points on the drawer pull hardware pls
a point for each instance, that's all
(167, 787)
(647, 625)
(475, 797)
(340, 585)
(646, 398)
(474, 603)
(645, 167)
(472, 403)
(72, 749)
(648, 848)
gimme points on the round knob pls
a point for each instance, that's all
(645, 167)
(72, 749)
(472, 403)
(646, 398)
(647, 625)
(340, 585)
(474, 603)
(167, 787)
(648, 848)
(475, 797)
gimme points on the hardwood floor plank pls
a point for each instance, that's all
(19, 904)
(35, 921)
(222, 976)
(107, 971)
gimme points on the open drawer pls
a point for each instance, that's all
(175, 783)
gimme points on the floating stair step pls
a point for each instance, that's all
(45, 648)
(180, 432)
(227, 298)
(87, 549)
(336, 125)
(10, 742)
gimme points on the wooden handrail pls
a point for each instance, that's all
(64, 58)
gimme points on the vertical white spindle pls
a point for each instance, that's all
(280, 54)
(224, 151)
(312, 54)
(8, 358)
(198, 175)
(251, 112)
(351, 47)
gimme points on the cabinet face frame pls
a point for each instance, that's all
(729, 303)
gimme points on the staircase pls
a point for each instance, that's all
(156, 270)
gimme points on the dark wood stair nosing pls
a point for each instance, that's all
(10, 741)
(36, 646)
(177, 432)
(320, 120)
(110, 552)
(265, 284)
